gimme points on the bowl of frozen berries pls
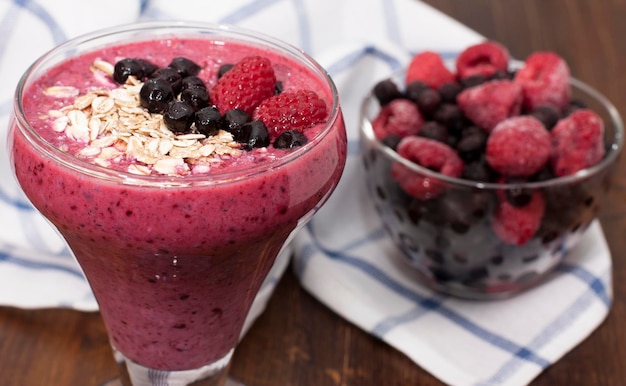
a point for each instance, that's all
(486, 171)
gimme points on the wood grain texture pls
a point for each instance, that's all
(300, 342)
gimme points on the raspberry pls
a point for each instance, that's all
(245, 85)
(577, 142)
(430, 154)
(518, 146)
(429, 68)
(400, 117)
(484, 59)
(291, 110)
(544, 80)
(517, 225)
(490, 103)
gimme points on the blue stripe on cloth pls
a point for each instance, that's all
(431, 304)
(56, 31)
(18, 203)
(548, 334)
(595, 283)
(6, 256)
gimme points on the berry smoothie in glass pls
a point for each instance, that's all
(176, 160)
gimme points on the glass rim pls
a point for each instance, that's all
(614, 150)
(171, 28)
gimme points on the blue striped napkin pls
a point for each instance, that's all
(338, 255)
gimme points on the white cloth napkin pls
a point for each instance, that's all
(337, 257)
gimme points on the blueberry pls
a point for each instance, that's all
(184, 66)
(434, 130)
(136, 67)
(474, 80)
(472, 144)
(451, 116)
(171, 76)
(192, 82)
(414, 88)
(547, 115)
(178, 117)
(385, 91)
(478, 171)
(427, 100)
(448, 92)
(518, 196)
(224, 68)
(391, 141)
(254, 134)
(278, 87)
(208, 120)
(196, 97)
(155, 94)
(290, 139)
(233, 120)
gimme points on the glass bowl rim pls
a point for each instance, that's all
(226, 31)
(367, 134)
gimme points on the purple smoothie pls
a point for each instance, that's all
(175, 262)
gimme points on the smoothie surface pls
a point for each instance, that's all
(48, 103)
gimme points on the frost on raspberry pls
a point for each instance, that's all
(400, 117)
(577, 142)
(429, 154)
(291, 110)
(488, 104)
(545, 80)
(244, 86)
(517, 225)
(518, 146)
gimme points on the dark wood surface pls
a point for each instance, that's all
(298, 341)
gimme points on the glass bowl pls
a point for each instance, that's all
(449, 239)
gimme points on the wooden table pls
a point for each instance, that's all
(298, 341)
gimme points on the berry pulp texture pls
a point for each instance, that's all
(176, 268)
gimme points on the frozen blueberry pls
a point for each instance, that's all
(518, 196)
(171, 76)
(478, 170)
(434, 130)
(392, 141)
(385, 91)
(254, 134)
(448, 92)
(451, 116)
(178, 117)
(185, 67)
(547, 115)
(474, 80)
(290, 139)
(428, 100)
(472, 144)
(208, 120)
(196, 97)
(155, 94)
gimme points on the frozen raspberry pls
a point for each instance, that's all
(245, 85)
(544, 80)
(577, 142)
(484, 59)
(400, 117)
(428, 67)
(517, 225)
(430, 154)
(518, 146)
(490, 103)
(293, 110)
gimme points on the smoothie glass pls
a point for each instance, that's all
(175, 262)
